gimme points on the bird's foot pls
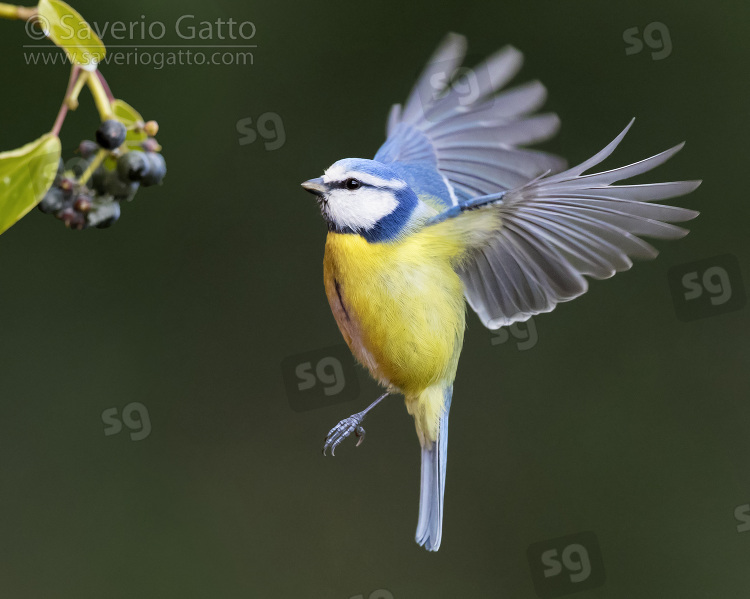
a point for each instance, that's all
(352, 424)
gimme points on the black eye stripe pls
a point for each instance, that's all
(343, 184)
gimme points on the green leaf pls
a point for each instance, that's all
(129, 116)
(125, 113)
(25, 176)
(68, 29)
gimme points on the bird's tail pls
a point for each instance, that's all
(431, 418)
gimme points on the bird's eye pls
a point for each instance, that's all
(352, 184)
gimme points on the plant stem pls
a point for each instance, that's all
(105, 85)
(74, 73)
(101, 154)
(72, 96)
(63, 112)
(101, 98)
(10, 11)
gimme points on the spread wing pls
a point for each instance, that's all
(558, 229)
(456, 138)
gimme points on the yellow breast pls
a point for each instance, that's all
(399, 305)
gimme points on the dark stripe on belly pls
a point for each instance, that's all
(341, 300)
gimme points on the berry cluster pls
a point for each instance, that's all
(108, 172)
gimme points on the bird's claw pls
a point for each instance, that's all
(359, 432)
(352, 424)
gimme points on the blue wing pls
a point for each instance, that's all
(456, 139)
(556, 230)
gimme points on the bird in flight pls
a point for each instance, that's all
(454, 208)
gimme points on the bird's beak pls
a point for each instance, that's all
(315, 186)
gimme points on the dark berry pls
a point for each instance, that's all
(157, 169)
(60, 173)
(105, 216)
(53, 200)
(121, 190)
(111, 134)
(97, 180)
(133, 166)
(88, 148)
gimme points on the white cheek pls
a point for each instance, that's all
(361, 209)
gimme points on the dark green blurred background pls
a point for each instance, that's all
(622, 419)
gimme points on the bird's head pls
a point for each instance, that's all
(365, 197)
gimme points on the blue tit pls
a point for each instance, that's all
(454, 209)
